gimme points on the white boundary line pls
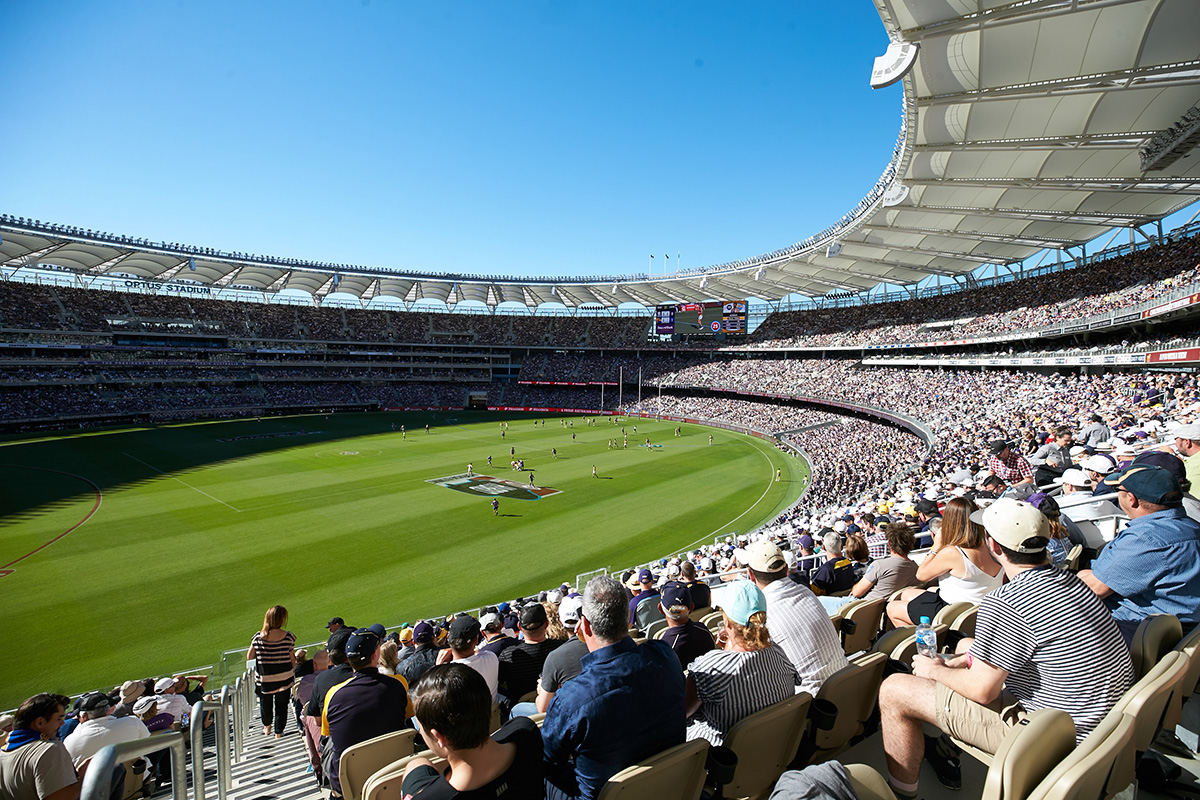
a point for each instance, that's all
(771, 476)
(185, 483)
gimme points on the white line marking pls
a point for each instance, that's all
(185, 483)
(771, 480)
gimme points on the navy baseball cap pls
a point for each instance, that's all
(364, 641)
(645, 576)
(1151, 484)
(675, 593)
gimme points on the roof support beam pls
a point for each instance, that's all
(1164, 185)
(1179, 73)
(973, 236)
(1012, 13)
(1104, 141)
(1031, 216)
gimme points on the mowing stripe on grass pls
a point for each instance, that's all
(185, 483)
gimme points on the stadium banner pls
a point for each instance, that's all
(567, 383)
(1120, 318)
(1174, 305)
(159, 286)
(424, 408)
(1014, 361)
(1174, 356)
(549, 410)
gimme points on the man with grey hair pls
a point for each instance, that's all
(587, 736)
(837, 573)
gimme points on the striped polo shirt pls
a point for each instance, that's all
(1058, 643)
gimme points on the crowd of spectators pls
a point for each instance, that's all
(1005, 309)
(1100, 287)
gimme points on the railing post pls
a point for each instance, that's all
(97, 782)
(221, 744)
(196, 730)
(224, 764)
(239, 719)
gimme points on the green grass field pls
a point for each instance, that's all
(194, 532)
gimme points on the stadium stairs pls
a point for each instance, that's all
(270, 768)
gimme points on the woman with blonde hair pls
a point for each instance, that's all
(554, 627)
(273, 651)
(960, 559)
(745, 675)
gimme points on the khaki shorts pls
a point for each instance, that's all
(978, 725)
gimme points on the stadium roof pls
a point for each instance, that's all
(1026, 125)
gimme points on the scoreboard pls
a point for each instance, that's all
(701, 319)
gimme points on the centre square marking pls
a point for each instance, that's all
(487, 486)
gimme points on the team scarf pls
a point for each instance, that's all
(21, 737)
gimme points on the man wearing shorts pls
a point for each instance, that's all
(1043, 640)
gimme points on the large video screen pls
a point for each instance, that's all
(701, 319)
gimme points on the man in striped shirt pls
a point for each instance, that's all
(1043, 640)
(796, 620)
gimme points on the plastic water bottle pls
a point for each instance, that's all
(926, 639)
(186, 717)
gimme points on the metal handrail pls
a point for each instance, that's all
(221, 730)
(97, 782)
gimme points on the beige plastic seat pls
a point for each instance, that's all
(1073, 556)
(949, 613)
(712, 621)
(655, 629)
(1189, 646)
(854, 689)
(964, 623)
(1100, 767)
(889, 640)
(1028, 753)
(765, 743)
(1155, 700)
(677, 773)
(1155, 637)
(866, 615)
(385, 784)
(497, 719)
(364, 759)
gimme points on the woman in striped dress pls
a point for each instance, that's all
(274, 653)
(745, 675)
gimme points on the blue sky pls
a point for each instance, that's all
(515, 138)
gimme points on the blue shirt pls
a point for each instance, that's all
(626, 704)
(1153, 567)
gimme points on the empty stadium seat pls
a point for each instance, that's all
(1155, 699)
(677, 773)
(1155, 637)
(854, 690)
(712, 621)
(951, 612)
(1101, 766)
(1028, 753)
(866, 616)
(765, 743)
(364, 759)
(964, 623)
